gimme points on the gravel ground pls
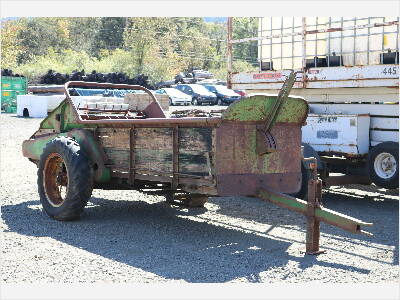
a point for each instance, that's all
(126, 236)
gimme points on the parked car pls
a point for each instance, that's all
(176, 97)
(198, 93)
(240, 92)
(202, 74)
(224, 95)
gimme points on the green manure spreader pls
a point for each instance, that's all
(250, 149)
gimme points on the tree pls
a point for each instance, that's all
(83, 33)
(243, 28)
(142, 35)
(110, 34)
(11, 46)
(158, 47)
(37, 35)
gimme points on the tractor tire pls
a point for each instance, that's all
(62, 165)
(383, 165)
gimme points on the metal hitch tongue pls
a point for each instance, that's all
(314, 211)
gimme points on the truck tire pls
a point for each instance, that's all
(308, 152)
(65, 179)
(383, 165)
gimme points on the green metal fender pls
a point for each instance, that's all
(33, 148)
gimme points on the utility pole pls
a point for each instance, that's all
(229, 54)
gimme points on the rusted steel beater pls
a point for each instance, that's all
(314, 211)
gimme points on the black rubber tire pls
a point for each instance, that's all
(195, 102)
(305, 177)
(80, 179)
(393, 149)
(219, 102)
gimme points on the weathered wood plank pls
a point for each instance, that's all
(384, 123)
(384, 136)
(118, 157)
(194, 163)
(199, 139)
(113, 138)
(154, 138)
(155, 160)
(372, 109)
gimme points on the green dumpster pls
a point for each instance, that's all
(11, 87)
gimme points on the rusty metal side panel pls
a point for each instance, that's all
(241, 171)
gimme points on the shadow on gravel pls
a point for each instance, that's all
(162, 240)
(379, 208)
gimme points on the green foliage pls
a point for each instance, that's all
(245, 27)
(37, 35)
(110, 35)
(157, 47)
(64, 62)
(11, 47)
(238, 66)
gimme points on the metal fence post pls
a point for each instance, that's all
(229, 54)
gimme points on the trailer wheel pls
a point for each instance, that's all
(383, 165)
(305, 177)
(65, 179)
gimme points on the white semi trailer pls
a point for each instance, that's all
(350, 78)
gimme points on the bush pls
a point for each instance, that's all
(238, 66)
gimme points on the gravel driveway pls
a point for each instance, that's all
(126, 236)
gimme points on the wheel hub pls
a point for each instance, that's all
(385, 165)
(55, 180)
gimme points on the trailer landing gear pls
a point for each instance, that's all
(314, 201)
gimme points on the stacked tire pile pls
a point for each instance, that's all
(9, 73)
(52, 77)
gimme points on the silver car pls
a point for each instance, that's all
(176, 97)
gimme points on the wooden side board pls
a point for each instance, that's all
(154, 150)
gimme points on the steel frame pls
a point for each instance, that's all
(304, 31)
